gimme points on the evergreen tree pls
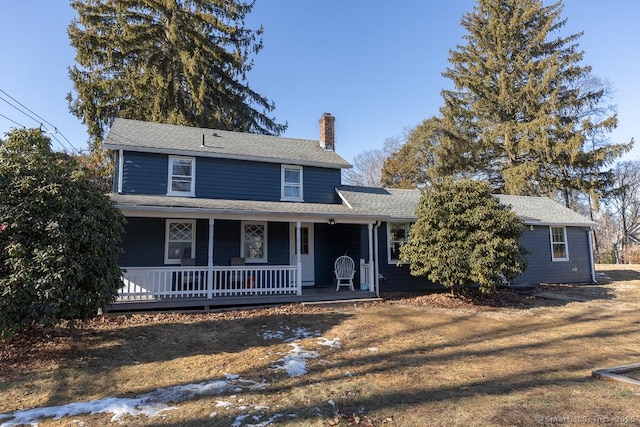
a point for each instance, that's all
(179, 62)
(525, 114)
(59, 237)
(464, 236)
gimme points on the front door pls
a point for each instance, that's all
(306, 252)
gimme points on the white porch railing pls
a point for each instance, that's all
(364, 274)
(153, 283)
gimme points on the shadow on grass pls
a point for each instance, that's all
(607, 276)
(433, 345)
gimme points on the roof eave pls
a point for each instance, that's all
(195, 153)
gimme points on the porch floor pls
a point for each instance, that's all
(312, 294)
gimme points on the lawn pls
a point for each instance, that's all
(418, 361)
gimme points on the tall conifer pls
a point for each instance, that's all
(525, 114)
(173, 61)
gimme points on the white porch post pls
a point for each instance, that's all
(371, 262)
(298, 259)
(210, 261)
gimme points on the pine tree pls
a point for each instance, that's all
(525, 114)
(180, 62)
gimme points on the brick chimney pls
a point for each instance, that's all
(327, 132)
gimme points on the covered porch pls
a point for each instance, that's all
(200, 287)
(186, 257)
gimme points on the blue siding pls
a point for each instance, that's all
(143, 242)
(319, 185)
(145, 173)
(237, 179)
(332, 241)
(543, 270)
(226, 241)
(397, 278)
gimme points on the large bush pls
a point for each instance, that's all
(59, 237)
(464, 237)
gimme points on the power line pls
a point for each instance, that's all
(12, 121)
(41, 120)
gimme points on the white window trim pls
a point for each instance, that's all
(565, 242)
(283, 168)
(265, 256)
(192, 190)
(168, 223)
(389, 260)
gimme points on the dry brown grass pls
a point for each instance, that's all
(412, 362)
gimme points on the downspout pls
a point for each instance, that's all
(593, 267)
(376, 273)
(372, 263)
(298, 259)
(210, 261)
(120, 171)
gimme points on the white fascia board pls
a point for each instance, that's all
(237, 214)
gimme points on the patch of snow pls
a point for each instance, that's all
(295, 362)
(238, 420)
(231, 376)
(149, 404)
(374, 349)
(223, 404)
(213, 415)
(265, 423)
(334, 343)
(272, 335)
(332, 403)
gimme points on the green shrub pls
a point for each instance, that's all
(59, 240)
(463, 237)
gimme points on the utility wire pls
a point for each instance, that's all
(42, 120)
(12, 121)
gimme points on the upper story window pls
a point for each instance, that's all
(182, 176)
(180, 241)
(254, 241)
(291, 183)
(559, 248)
(397, 235)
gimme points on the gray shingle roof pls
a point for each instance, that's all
(401, 205)
(360, 203)
(232, 207)
(137, 135)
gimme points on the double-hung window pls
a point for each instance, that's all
(182, 176)
(291, 183)
(180, 240)
(254, 241)
(559, 248)
(397, 235)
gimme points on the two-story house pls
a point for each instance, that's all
(217, 217)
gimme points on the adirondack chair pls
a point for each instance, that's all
(344, 268)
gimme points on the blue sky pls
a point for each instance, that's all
(375, 65)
